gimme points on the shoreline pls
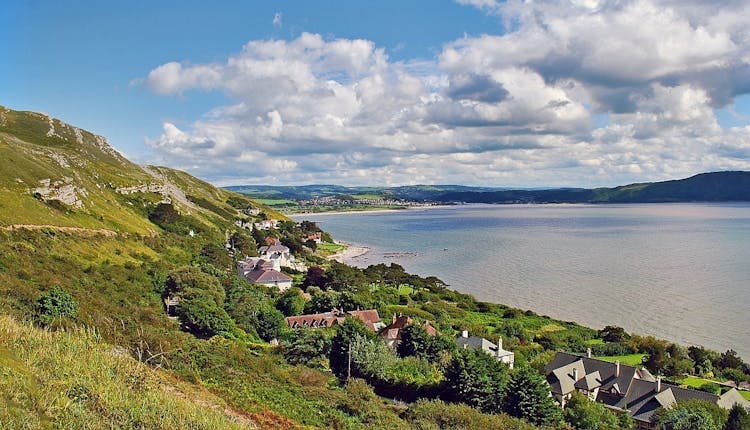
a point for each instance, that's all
(367, 211)
(350, 252)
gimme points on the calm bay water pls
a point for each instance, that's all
(675, 271)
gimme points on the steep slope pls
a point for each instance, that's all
(56, 174)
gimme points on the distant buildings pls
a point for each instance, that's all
(264, 272)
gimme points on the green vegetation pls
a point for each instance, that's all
(96, 276)
(74, 380)
(630, 359)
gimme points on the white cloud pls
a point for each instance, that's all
(508, 109)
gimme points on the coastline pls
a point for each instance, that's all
(350, 252)
(368, 211)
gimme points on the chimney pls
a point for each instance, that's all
(499, 345)
(465, 333)
(588, 352)
(575, 373)
(658, 384)
(617, 369)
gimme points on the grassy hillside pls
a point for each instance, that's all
(74, 380)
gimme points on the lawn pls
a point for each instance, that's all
(276, 202)
(630, 360)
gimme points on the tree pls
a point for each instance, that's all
(475, 378)
(414, 341)
(308, 347)
(692, 415)
(316, 276)
(527, 396)
(201, 315)
(270, 322)
(163, 214)
(346, 334)
(57, 303)
(584, 414)
(291, 302)
(613, 333)
(323, 301)
(739, 419)
(729, 360)
(189, 277)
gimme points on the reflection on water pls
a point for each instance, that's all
(677, 271)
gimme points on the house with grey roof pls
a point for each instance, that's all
(263, 272)
(496, 350)
(622, 388)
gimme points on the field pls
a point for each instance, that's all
(630, 360)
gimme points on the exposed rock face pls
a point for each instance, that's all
(63, 191)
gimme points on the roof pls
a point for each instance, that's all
(370, 317)
(263, 276)
(560, 373)
(325, 319)
(271, 249)
(630, 389)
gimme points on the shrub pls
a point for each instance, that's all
(57, 303)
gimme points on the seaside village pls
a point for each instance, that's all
(621, 388)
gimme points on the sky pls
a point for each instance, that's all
(578, 93)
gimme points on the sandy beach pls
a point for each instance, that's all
(350, 252)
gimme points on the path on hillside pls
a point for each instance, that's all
(76, 230)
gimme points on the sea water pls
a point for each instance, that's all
(675, 271)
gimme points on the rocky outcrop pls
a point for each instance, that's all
(63, 191)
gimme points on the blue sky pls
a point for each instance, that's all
(578, 93)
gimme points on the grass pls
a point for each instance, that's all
(745, 394)
(630, 359)
(73, 380)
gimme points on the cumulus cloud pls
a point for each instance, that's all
(505, 109)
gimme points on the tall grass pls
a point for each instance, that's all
(71, 379)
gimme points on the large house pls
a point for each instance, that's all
(263, 272)
(278, 254)
(369, 317)
(476, 342)
(622, 388)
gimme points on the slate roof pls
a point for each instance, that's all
(263, 276)
(271, 249)
(632, 389)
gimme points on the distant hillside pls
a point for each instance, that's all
(705, 187)
(306, 192)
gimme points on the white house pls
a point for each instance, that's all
(475, 342)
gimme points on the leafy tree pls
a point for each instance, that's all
(308, 347)
(323, 301)
(691, 414)
(414, 341)
(584, 414)
(270, 322)
(527, 396)
(346, 334)
(613, 333)
(243, 243)
(739, 419)
(475, 378)
(316, 276)
(729, 360)
(164, 213)
(216, 255)
(189, 277)
(291, 302)
(703, 359)
(201, 315)
(57, 303)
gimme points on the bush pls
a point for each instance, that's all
(57, 303)
(201, 315)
